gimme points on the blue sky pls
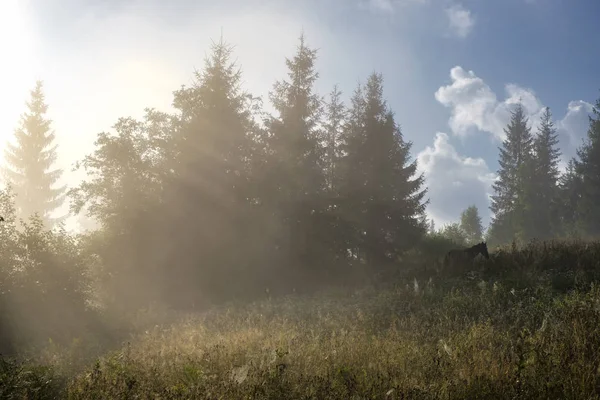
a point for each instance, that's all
(452, 68)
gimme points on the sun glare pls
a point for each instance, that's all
(18, 67)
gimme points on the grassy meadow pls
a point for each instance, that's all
(523, 325)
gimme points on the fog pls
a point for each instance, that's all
(189, 159)
(163, 202)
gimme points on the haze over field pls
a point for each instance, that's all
(452, 69)
(323, 199)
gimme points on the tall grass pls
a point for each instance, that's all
(524, 325)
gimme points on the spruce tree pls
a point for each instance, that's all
(545, 181)
(206, 206)
(294, 179)
(570, 192)
(512, 200)
(381, 195)
(335, 114)
(470, 223)
(29, 171)
(588, 170)
(333, 226)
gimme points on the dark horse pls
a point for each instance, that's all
(455, 259)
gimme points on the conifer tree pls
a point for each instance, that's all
(545, 181)
(206, 206)
(511, 202)
(470, 223)
(570, 192)
(30, 161)
(588, 170)
(335, 114)
(381, 195)
(295, 179)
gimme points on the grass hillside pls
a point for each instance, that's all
(525, 324)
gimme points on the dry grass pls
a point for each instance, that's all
(489, 339)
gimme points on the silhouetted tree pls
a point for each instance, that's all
(30, 160)
(208, 197)
(545, 222)
(570, 186)
(294, 179)
(335, 114)
(382, 197)
(125, 176)
(587, 168)
(513, 191)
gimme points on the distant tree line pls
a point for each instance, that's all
(532, 199)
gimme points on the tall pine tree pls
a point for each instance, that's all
(547, 155)
(205, 201)
(570, 192)
(335, 115)
(381, 195)
(588, 171)
(332, 224)
(295, 180)
(30, 161)
(511, 202)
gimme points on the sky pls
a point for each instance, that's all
(452, 69)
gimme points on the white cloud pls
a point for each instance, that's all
(475, 107)
(460, 19)
(454, 181)
(574, 125)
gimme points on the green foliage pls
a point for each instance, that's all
(125, 174)
(44, 286)
(26, 381)
(455, 233)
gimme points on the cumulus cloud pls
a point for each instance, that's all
(574, 125)
(474, 107)
(460, 19)
(454, 181)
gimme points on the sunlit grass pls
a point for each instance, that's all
(485, 339)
